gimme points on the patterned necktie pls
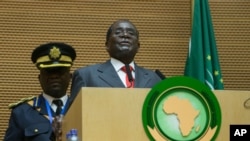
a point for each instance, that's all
(59, 104)
(129, 83)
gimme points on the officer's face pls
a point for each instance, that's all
(55, 81)
(123, 41)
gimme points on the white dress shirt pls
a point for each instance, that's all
(50, 99)
(118, 65)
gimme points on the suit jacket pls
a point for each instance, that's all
(104, 75)
(28, 122)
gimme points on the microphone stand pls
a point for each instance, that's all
(130, 77)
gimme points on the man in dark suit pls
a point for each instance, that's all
(122, 44)
(31, 118)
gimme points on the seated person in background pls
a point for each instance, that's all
(31, 118)
(122, 44)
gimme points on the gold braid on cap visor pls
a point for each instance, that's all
(46, 62)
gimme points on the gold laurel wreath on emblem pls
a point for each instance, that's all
(55, 53)
(206, 137)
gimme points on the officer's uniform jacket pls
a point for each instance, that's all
(29, 121)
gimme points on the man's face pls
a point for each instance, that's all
(55, 81)
(123, 43)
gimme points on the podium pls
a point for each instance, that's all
(115, 114)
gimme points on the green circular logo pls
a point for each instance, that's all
(181, 109)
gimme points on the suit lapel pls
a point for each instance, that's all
(108, 74)
(141, 77)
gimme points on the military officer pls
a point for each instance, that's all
(31, 118)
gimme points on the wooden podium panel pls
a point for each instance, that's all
(115, 114)
(232, 110)
(107, 114)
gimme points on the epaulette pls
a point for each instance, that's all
(12, 105)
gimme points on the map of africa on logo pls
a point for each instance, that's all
(178, 111)
(187, 119)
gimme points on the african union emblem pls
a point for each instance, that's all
(181, 109)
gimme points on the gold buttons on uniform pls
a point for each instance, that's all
(36, 130)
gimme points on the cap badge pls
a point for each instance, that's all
(55, 53)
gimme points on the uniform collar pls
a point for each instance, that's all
(50, 98)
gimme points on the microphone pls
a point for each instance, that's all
(158, 72)
(130, 77)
